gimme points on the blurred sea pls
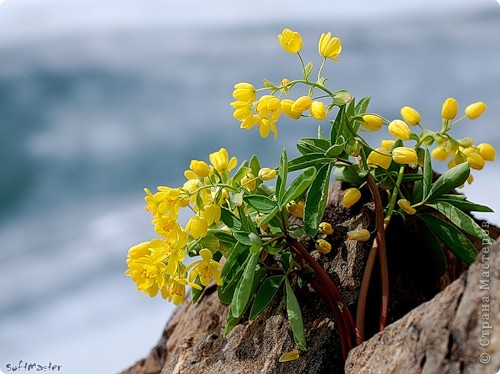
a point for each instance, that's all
(90, 113)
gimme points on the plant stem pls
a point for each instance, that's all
(333, 296)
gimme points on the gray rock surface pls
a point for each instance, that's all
(458, 331)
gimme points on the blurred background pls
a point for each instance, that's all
(101, 98)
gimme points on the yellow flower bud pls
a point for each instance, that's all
(449, 109)
(317, 110)
(249, 182)
(301, 104)
(474, 110)
(406, 206)
(325, 228)
(267, 174)
(404, 156)
(381, 157)
(323, 246)
(244, 92)
(410, 115)
(351, 197)
(197, 227)
(268, 104)
(138, 251)
(200, 168)
(372, 122)
(470, 179)
(362, 235)
(291, 41)
(475, 161)
(452, 163)
(387, 144)
(221, 162)
(258, 219)
(286, 107)
(440, 153)
(296, 209)
(329, 47)
(399, 129)
(487, 151)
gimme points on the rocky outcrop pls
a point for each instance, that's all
(452, 333)
(193, 340)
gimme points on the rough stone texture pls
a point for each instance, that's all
(446, 334)
(193, 340)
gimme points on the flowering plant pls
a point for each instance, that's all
(241, 226)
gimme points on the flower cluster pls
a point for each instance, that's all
(265, 112)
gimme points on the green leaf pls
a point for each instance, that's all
(418, 191)
(260, 203)
(243, 289)
(211, 242)
(362, 106)
(410, 178)
(299, 185)
(268, 84)
(268, 217)
(311, 159)
(266, 294)
(428, 173)
(451, 237)
(231, 322)
(348, 174)
(236, 200)
(282, 175)
(453, 178)
(286, 260)
(308, 69)
(241, 172)
(336, 149)
(229, 219)
(342, 97)
(243, 237)
(295, 317)
(462, 220)
(312, 145)
(460, 202)
(255, 165)
(316, 200)
(433, 246)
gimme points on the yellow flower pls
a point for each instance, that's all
(166, 227)
(406, 206)
(440, 153)
(291, 41)
(317, 110)
(200, 168)
(449, 109)
(372, 122)
(211, 213)
(351, 197)
(221, 162)
(325, 228)
(404, 156)
(475, 161)
(399, 129)
(323, 246)
(296, 209)
(249, 182)
(266, 126)
(286, 107)
(244, 92)
(410, 115)
(172, 250)
(487, 151)
(138, 251)
(301, 104)
(474, 110)
(197, 226)
(148, 272)
(329, 47)
(362, 235)
(380, 157)
(164, 202)
(206, 268)
(268, 104)
(177, 289)
(267, 174)
(387, 144)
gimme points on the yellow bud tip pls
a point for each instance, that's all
(487, 151)
(351, 197)
(323, 246)
(362, 235)
(325, 228)
(410, 115)
(404, 156)
(406, 206)
(399, 129)
(449, 109)
(475, 161)
(372, 122)
(267, 174)
(475, 110)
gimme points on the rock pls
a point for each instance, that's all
(193, 340)
(452, 333)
